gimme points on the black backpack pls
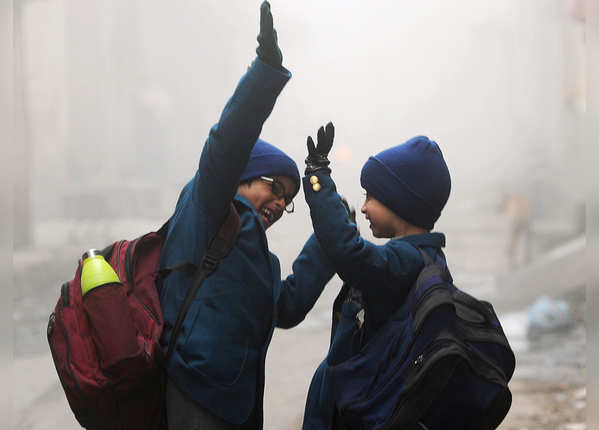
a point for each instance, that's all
(442, 361)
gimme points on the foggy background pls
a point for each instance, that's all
(113, 101)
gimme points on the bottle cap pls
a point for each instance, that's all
(91, 253)
(96, 272)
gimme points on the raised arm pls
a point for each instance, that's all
(353, 257)
(312, 269)
(230, 141)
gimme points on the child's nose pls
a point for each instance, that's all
(363, 208)
(280, 202)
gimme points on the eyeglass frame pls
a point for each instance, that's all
(278, 189)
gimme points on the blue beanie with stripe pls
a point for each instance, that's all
(268, 160)
(411, 179)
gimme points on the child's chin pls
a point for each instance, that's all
(376, 233)
(265, 222)
(380, 234)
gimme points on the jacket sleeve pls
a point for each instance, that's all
(227, 149)
(312, 269)
(354, 258)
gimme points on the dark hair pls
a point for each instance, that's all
(248, 182)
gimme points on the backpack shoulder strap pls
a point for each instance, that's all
(428, 261)
(443, 262)
(219, 246)
(439, 261)
(222, 242)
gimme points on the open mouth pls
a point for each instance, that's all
(268, 217)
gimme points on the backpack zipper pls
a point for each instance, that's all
(406, 353)
(454, 347)
(50, 332)
(440, 348)
(416, 364)
(65, 293)
(129, 278)
(118, 259)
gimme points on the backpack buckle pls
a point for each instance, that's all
(209, 263)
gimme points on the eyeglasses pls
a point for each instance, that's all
(278, 189)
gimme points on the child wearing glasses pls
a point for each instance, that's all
(269, 181)
(407, 187)
(216, 371)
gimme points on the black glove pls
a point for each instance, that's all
(268, 50)
(350, 211)
(317, 156)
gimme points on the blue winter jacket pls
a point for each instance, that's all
(220, 352)
(376, 278)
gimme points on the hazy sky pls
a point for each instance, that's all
(122, 94)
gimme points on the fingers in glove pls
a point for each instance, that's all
(266, 26)
(325, 138)
(268, 50)
(311, 147)
(320, 136)
(330, 131)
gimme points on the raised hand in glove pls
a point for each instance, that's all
(317, 155)
(268, 50)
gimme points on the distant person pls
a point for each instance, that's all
(407, 187)
(216, 372)
(516, 207)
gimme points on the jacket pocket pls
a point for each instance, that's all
(214, 344)
(218, 362)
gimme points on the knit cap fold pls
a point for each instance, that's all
(268, 160)
(411, 179)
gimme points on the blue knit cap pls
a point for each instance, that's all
(268, 160)
(411, 179)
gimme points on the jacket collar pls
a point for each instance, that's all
(240, 200)
(246, 202)
(435, 240)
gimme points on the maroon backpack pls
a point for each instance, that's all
(106, 344)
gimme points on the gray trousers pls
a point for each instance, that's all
(185, 414)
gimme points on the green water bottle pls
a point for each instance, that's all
(96, 272)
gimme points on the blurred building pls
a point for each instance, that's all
(103, 113)
(92, 116)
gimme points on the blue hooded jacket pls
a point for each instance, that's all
(220, 352)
